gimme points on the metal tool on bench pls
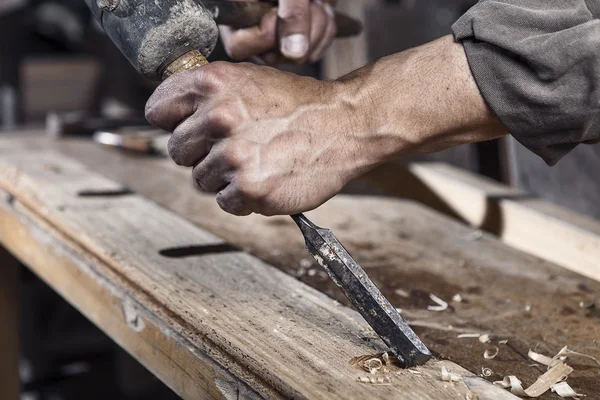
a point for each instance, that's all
(163, 38)
(81, 123)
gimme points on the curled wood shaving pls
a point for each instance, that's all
(554, 375)
(489, 355)
(441, 304)
(372, 365)
(484, 338)
(380, 380)
(486, 372)
(564, 390)
(540, 358)
(566, 352)
(449, 377)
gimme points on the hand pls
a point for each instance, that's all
(265, 141)
(306, 29)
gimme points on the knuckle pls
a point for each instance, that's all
(174, 150)
(252, 187)
(220, 119)
(234, 153)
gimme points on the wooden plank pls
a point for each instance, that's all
(190, 320)
(416, 250)
(9, 321)
(403, 246)
(538, 227)
(572, 183)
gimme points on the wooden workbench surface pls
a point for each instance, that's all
(409, 250)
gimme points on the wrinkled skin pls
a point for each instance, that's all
(297, 31)
(271, 142)
(249, 139)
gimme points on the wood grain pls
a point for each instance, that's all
(403, 246)
(191, 316)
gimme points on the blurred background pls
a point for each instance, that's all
(54, 59)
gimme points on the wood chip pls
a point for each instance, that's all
(372, 365)
(554, 375)
(566, 352)
(441, 304)
(488, 355)
(380, 380)
(468, 335)
(484, 338)
(385, 357)
(449, 377)
(564, 390)
(539, 358)
(457, 298)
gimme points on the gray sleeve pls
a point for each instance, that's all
(537, 64)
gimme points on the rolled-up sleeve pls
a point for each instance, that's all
(537, 64)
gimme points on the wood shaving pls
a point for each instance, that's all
(441, 304)
(372, 365)
(472, 396)
(540, 358)
(489, 355)
(566, 352)
(564, 390)
(527, 308)
(457, 298)
(554, 375)
(449, 377)
(468, 335)
(503, 341)
(413, 371)
(486, 372)
(385, 357)
(484, 338)
(402, 293)
(380, 380)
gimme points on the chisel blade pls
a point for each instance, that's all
(362, 293)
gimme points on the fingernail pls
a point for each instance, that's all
(294, 46)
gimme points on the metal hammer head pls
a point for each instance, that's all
(153, 33)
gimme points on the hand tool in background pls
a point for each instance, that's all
(138, 140)
(80, 123)
(162, 38)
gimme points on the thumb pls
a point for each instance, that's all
(294, 28)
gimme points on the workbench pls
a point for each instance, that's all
(224, 307)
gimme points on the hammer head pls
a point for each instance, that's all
(152, 33)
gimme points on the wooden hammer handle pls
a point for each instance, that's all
(245, 14)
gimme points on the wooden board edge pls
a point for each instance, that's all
(534, 226)
(187, 370)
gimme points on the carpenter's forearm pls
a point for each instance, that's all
(422, 100)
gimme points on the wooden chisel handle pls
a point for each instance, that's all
(245, 14)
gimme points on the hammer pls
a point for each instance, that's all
(163, 37)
